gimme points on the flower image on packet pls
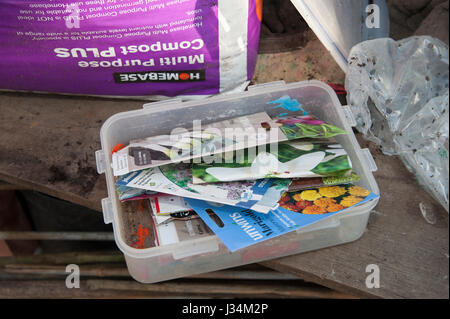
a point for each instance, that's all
(241, 228)
(323, 200)
(292, 159)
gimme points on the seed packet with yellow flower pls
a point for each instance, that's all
(324, 200)
(241, 228)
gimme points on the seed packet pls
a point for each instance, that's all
(131, 194)
(306, 126)
(166, 205)
(218, 138)
(240, 228)
(176, 179)
(128, 193)
(201, 140)
(146, 195)
(292, 159)
(172, 230)
(324, 200)
(181, 230)
(185, 215)
(316, 182)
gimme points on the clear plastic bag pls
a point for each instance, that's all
(398, 92)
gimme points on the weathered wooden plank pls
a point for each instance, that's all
(32, 235)
(10, 187)
(48, 144)
(104, 264)
(4, 249)
(119, 270)
(113, 264)
(79, 258)
(104, 288)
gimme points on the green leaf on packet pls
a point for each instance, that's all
(292, 159)
(308, 126)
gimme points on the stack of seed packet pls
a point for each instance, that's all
(246, 179)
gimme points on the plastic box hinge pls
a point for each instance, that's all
(266, 86)
(100, 161)
(107, 209)
(349, 115)
(159, 104)
(369, 160)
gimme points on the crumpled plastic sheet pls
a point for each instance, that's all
(399, 94)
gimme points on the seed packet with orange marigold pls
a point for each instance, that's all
(324, 200)
(243, 227)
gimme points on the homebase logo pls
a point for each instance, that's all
(160, 76)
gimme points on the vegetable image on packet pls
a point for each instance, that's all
(176, 179)
(293, 159)
(142, 49)
(241, 228)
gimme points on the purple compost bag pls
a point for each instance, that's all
(137, 48)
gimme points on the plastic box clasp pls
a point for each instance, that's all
(107, 209)
(369, 160)
(100, 161)
(349, 115)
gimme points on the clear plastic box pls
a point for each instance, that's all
(209, 254)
